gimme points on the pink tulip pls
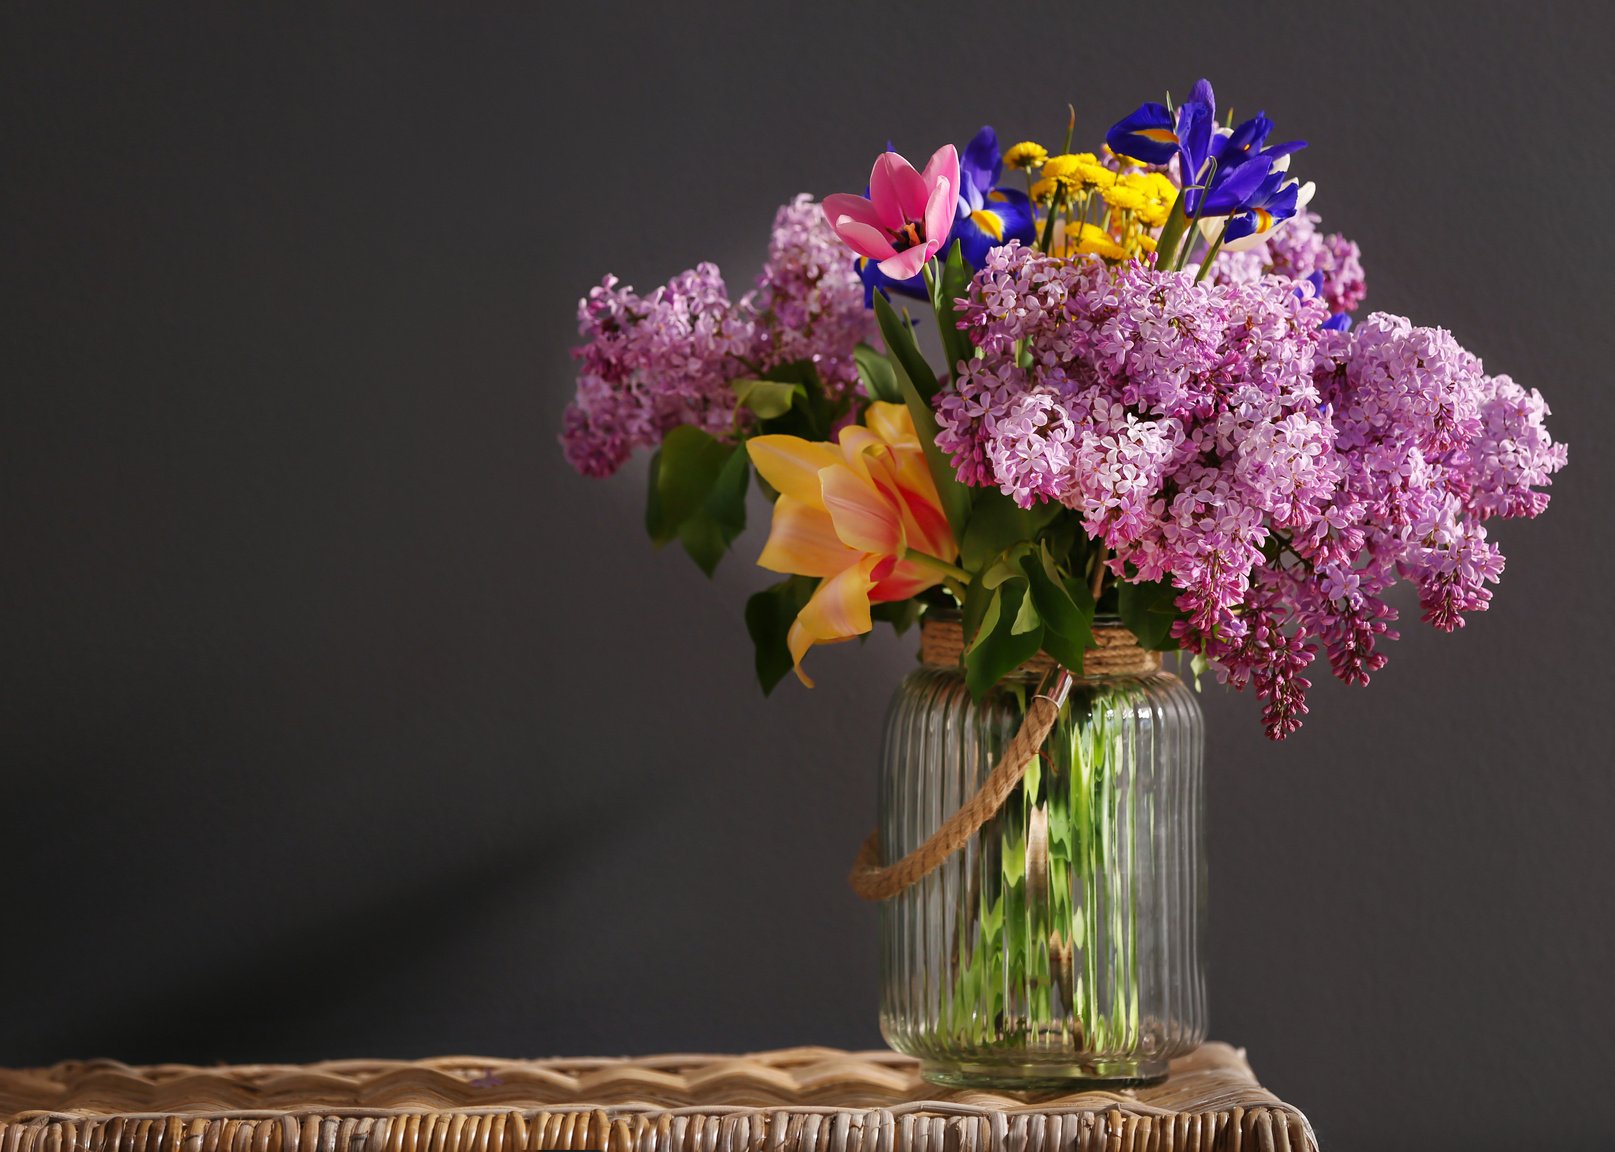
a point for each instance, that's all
(907, 216)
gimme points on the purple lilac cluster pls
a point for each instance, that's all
(650, 363)
(1298, 251)
(1280, 475)
(809, 301)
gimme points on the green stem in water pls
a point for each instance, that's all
(925, 560)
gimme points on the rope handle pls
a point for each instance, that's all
(876, 881)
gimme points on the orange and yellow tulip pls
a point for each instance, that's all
(861, 514)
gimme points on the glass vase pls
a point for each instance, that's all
(1065, 941)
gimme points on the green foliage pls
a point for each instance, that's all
(953, 283)
(906, 361)
(905, 353)
(1166, 245)
(1006, 638)
(1067, 618)
(900, 614)
(791, 402)
(875, 370)
(769, 399)
(697, 494)
(996, 524)
(769, 615)
(1148, 610)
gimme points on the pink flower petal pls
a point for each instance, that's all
(939, 209)
(897, 190)
(943, 165)
(863, 239)
(909, 262)
(858, 208)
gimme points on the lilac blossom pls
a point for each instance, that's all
(1299, 251)
(650, 363)
(1280, 475)
(808, 303)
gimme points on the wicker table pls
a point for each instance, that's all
(798, 1099)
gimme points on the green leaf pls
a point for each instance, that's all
(900, 614)
(998, 649)
(700, 494)
(1148, 609)
(875, 370)
(949, 286)
(974, 610)
(768, 398)
(769, 615)
(690, 462)
(905, 352)
(655, 520)
(996, 524)
(1027, 618)
(1068, 624)
(955, 496)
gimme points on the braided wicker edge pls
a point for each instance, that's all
(1267, 1129)
(802, 1098)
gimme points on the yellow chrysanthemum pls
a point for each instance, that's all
(1067, 165)
(1124, 197)
(1154, 194)
(1043, 190)
(1088, 240)
(1026, 154)
(1147, 195)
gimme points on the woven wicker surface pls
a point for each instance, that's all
(797, 1099)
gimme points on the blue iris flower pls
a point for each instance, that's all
(1247, 175)
(1274, 199)
(987, 217)
(1243, 180)
(1153, 134)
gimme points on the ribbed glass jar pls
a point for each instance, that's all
(1065, 941)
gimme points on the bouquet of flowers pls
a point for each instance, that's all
(1154, 406)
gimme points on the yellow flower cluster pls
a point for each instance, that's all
(1025, 155)
(1126, 201)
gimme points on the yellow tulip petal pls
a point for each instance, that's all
(802, 541)
(892, 423)
(864, 517)
(791, 465)
(837, 610)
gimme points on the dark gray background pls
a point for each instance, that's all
(341, 719)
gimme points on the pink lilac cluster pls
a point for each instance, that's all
(1297, 250)
(809, 301)
(1280, 475)
(650, 363)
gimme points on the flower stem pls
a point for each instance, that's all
(1211, 253)
(925, 560)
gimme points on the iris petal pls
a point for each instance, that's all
(1138, 134)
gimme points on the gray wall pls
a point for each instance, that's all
(340, 718)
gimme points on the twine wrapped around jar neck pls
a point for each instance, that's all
(1115, 652)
